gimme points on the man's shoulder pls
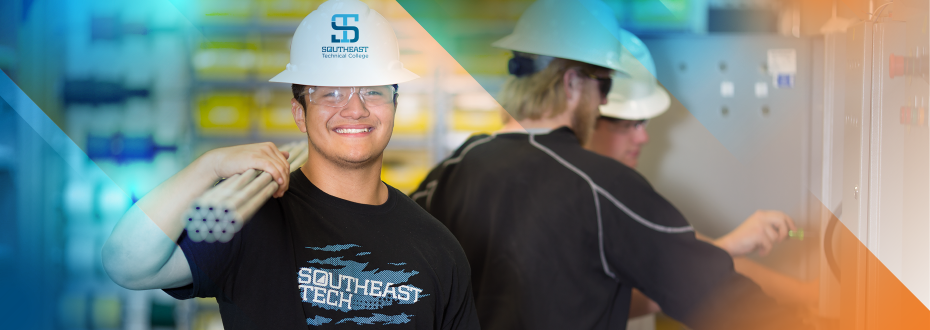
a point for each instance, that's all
(409, 209)
(602, 169)
(269, 216)
(414, 214)
(471, 142)
(609, 169)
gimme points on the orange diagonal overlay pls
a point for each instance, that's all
(857, 291)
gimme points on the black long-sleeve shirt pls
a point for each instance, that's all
(557, 236)
(310, 260)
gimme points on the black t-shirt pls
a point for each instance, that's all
(311, 260)
(557, 236)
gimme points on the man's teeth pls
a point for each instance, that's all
(352, 130)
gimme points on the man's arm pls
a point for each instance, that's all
(760, 232)
(142, 253)
(641, 305)
(783, 288)
(691, 280)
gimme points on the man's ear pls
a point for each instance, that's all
(299, 115)
(574, 88)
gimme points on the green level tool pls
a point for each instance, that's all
(796, 234)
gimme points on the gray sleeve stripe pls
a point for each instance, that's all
(431, 186)
(610, 197)
(419, 194)
(597, 203)
(596, 189)
(466, 150)
(647, 223)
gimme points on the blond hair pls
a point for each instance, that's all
(540, 94)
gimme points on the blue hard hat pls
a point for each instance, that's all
(638, 49)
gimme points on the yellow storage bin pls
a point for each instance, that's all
(274, 114)
(411, 117)
(224, 113)
(278, 120)
(405, 169)
(404, 178)
(412, 125)
(476, 120)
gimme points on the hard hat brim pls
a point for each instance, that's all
(521, 44)
(639, 109)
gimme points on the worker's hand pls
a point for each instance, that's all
(758, 233)
(265, 156)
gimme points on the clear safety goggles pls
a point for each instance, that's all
(338, 97)
(635, 124)
(625, 125)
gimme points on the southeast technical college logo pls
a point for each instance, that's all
(341, 23)
(345, 28)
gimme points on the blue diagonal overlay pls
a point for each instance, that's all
(45, 127)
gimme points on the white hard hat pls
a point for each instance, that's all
(344, 43)
(567, 29)
(637, 95)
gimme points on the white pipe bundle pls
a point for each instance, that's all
(222, 210)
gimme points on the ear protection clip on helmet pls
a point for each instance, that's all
(524, 64)
(520, 66)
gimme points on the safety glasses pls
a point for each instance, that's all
(338, 97)
(625, 125)
(603, 84)
(635, 124)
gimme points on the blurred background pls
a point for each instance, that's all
(144, 87)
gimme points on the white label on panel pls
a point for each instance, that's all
(726, 88)
(782, 61)
(762, 89)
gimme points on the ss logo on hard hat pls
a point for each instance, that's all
(345, 28)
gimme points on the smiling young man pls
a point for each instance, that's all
(337, 248)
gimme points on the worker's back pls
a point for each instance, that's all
(557, 236)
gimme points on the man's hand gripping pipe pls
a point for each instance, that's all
(221, 211)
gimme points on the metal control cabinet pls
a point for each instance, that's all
(886, 163)
(876, 161)
(734, 140)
